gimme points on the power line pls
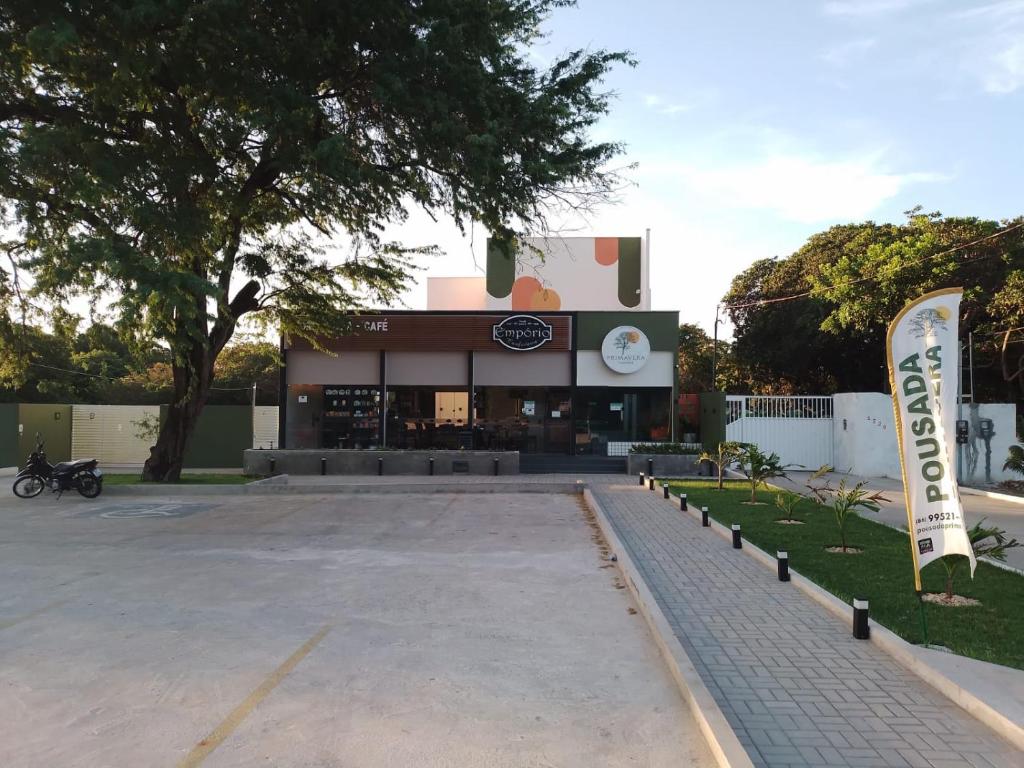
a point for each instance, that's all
(954, 249)
(113, 378)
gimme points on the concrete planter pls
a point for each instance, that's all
(665, 464)
(358, 462)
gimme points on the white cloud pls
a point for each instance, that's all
(664, 107)
(1004, 72)
(842, 54)
(806, 189)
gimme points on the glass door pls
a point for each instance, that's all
(557, 421)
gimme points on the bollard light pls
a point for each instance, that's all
(380, 466)
(650, 483)
(323, 465)
(737, 542)
(641, 479)
(861, 630)
(682, 502)
(650, 466)
(495, 465)
(431, 465)
(273, 464)
(704, 517)
(783, 558)
(664, 488)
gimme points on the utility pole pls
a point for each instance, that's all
(714, 354)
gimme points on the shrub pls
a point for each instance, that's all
(664, 448)
(979, 537)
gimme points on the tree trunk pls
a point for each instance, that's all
(191, 387)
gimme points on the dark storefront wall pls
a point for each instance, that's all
(611, 415)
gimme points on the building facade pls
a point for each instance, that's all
(553, 352)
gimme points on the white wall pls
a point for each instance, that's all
(591, 371)
(456, 293)
(343, 368)
(865, 440)
(264, 427)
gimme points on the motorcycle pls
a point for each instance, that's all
(82, 476)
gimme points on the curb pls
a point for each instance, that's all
(282, 489)
(967, 490)
(719, 735)
(891, 643)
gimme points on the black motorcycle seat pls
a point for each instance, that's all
(64, 466)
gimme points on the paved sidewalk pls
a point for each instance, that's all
(793, 683)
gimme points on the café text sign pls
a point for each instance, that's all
(522, 333)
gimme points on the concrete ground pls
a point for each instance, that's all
(370, 630)
(1007, 515)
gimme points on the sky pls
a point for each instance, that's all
(755, 124)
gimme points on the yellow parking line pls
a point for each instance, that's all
(33, 614)
(232, 721)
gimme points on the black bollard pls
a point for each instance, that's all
(783, 558)
(650, 466)
(650, 483)
(380, 466)
(682, 502)
(431, 465)
(861, 630)
(641, 479)
(737, 542)
(664, 488)
(704, 517)
(323, 466)
(495, 466)
(273, 463)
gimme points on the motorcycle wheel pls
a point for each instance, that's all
(28, 487)
(88, 485)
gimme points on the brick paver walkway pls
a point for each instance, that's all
(794, 684)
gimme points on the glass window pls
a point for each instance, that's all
(605, 415)
(350, 417)
(426, 418)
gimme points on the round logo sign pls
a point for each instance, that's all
(522, 333)
(625, 349)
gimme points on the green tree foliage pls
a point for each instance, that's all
(180, 154)
(725, 454)
(760, 467)
(696, 362)
(1015, 460)
(858, 276)
(844, 500)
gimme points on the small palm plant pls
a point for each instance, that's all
(1015, 461)
(760, 467)
(844, 500)
(726, 453)
(787, 500)
(986, 542)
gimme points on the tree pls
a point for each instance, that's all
(1015, 460)
(760, 467)
(183, 155)
(787, 501)
(986, 542)
(725, 454)
(844, 501)
(866, 287)
(697, 359)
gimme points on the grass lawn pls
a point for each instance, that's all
(197, 479)
(883, 572)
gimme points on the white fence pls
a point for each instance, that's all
(114, 434)
(264, 427)
(798, 428)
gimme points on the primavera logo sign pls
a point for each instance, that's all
(522, 333)
(922, 349)
(625, 349)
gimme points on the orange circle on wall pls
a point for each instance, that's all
(523, 290)
(546, 298)
(606, 250)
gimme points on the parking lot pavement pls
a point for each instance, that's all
(436, 630)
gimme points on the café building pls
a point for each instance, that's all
(561, 382)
